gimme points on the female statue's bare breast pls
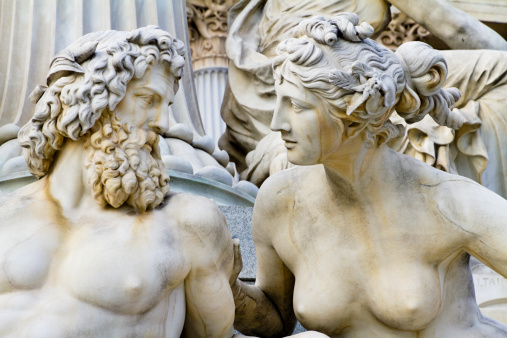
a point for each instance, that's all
(382, 258)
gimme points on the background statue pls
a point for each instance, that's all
(369, 242)
(258, 26)
(99, 246)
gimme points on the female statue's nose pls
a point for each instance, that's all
(280, 122)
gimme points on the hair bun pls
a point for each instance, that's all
(425, 72)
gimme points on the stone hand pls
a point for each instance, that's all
(238, 262)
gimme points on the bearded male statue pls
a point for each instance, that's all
(98, 246)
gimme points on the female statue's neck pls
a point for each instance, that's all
(355, 161)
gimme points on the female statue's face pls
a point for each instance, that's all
(309, 133)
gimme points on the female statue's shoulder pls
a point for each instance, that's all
(284, 185)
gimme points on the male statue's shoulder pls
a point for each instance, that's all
(195, 214)
(24, 197)
(26, 203)
(206, 237)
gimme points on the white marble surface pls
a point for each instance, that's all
(98, 246)
(359, 240)
(258, 26)
(476, 151)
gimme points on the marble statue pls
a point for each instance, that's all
(258, 26)
(194, 161)
(99, 245)
(358, 240)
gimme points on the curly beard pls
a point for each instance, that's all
(123, 165)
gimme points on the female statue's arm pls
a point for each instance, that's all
(265, 309)
(478, 218)
(456, 28)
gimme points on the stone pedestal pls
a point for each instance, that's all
(490, 291)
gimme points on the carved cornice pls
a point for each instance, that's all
(207, 25)
(402, 29)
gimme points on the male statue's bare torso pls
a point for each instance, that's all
(101, 273)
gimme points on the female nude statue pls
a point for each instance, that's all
(359, 240)
(256, 28)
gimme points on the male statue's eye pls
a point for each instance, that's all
(148, 99)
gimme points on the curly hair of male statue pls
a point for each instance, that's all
(74, 102)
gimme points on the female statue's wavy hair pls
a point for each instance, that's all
(88, 78)
(361, 82)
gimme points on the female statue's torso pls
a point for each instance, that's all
(375, 258)
(361, 241)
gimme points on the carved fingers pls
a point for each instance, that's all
(238, 262)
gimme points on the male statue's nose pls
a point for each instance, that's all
(161, 124)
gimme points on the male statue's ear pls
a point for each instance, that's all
(68, 61)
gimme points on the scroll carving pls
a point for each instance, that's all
(207, 25)
(402, 29)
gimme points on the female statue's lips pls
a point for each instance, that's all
(289, 141)
(286, 139)
(289, 144)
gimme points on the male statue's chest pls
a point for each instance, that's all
(124, 265)
(27, 247)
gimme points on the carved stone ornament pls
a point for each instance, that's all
(402, 29)
(359, 240)
(207, 25)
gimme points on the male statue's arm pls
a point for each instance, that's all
(208, 247)
(456, 28)
(258, 315)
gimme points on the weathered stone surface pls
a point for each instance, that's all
(239, 221)
(358, 238)
(99, 239)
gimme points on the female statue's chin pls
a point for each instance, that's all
(295, 157)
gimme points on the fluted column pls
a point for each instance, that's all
(207, 25)
(210, 86)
